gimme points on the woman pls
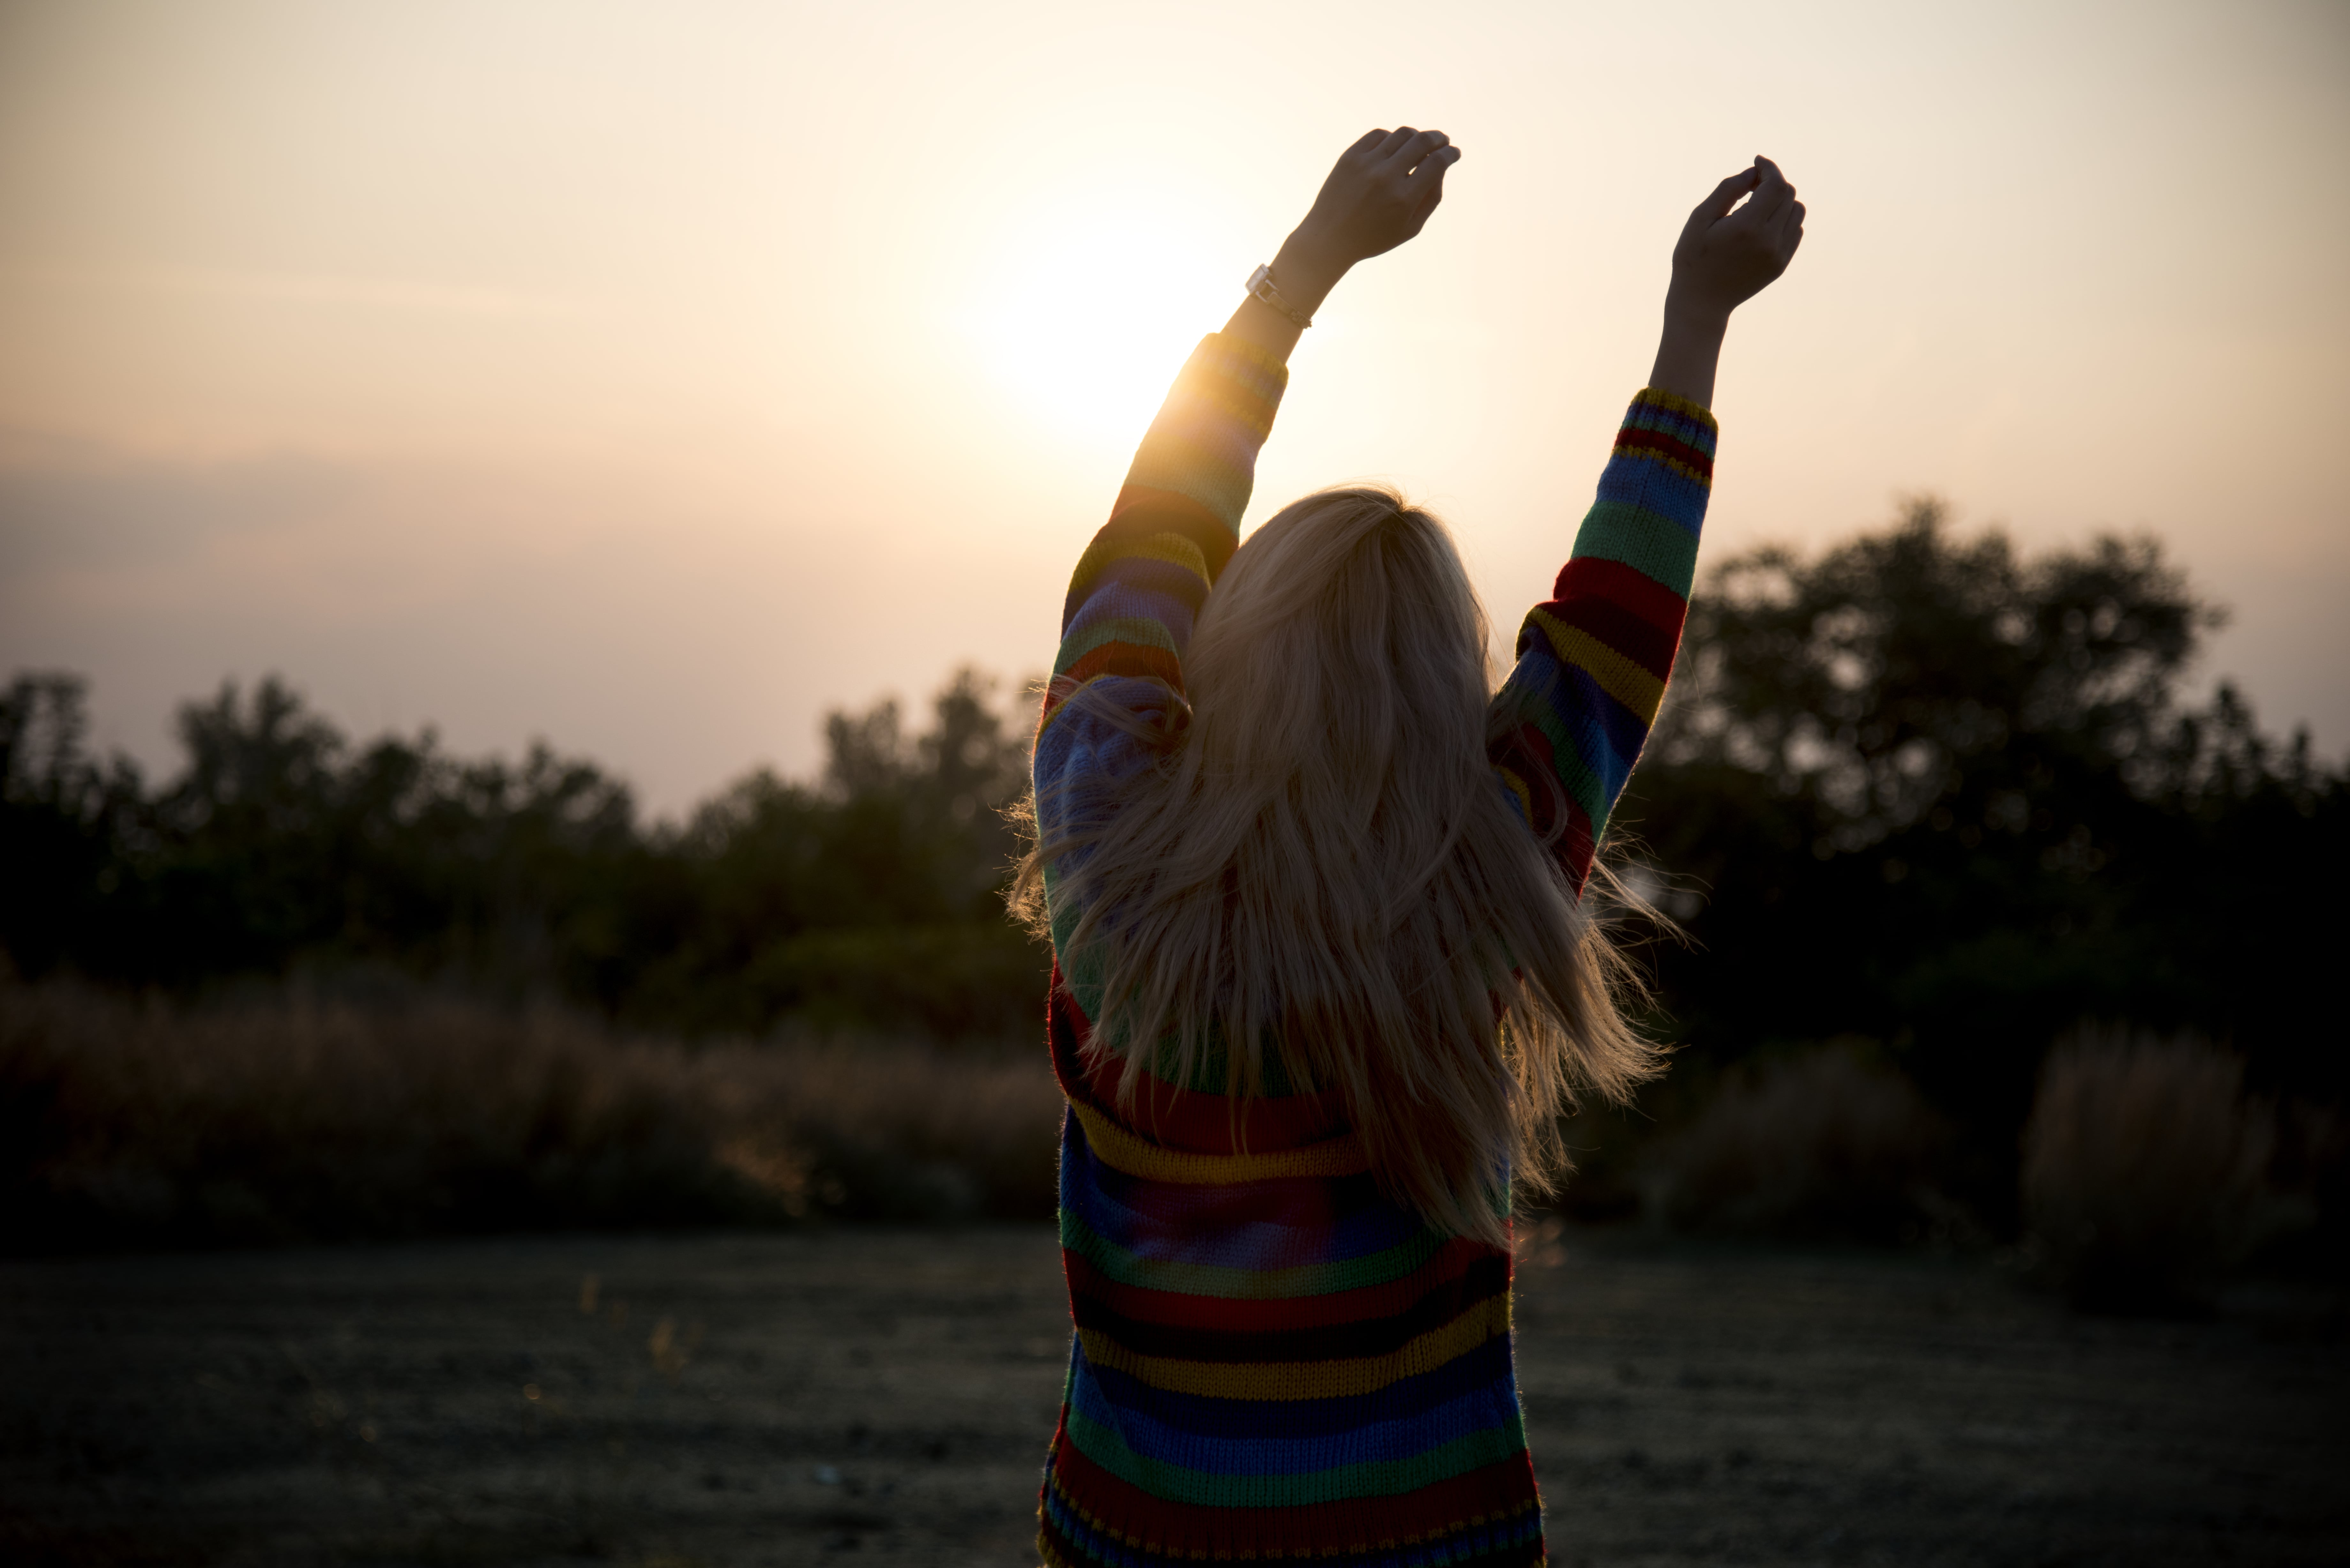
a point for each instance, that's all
(1323, 979)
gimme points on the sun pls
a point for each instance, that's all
(1087, 305)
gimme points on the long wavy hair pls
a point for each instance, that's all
(1321, 864)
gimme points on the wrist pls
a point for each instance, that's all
(1306, 270)
(1689, 349)
(1694, 319)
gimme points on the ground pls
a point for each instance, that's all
(884, 1396)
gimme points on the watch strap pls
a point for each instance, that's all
(1261, 284)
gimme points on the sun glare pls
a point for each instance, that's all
(1090, 304)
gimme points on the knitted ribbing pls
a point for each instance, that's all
(1271, 1359)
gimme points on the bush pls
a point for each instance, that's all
(868, 900)
(1823, 1145)
(1938, 792)
(2145, 1170)
(944, 982)
(288, 1118)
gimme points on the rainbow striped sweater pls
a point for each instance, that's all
(1272, 1360)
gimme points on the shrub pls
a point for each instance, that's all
(870, 900)
(2145, 1169)
(1824, 1144)
(1939, 789)
(286, 1118)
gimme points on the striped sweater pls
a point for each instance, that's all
(1272, 1360)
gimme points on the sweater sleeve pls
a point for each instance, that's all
(1592, 660)
(1139, 585)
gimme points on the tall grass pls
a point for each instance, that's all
(1826, 1144)
(2146, 1172)
(291, 1117)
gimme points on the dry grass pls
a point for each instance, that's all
(1826, 1144)
(2145, 1170)
(290, 1118)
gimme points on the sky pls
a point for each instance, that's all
(649, 380)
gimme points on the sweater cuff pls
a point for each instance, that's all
(1674, 403)
(1243, 358)
(1234, 377)
(1663, 431)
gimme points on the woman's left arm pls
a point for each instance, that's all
(1593, 660)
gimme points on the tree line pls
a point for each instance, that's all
(1917, 789)
(1924, 792)
(867, 899)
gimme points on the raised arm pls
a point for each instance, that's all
(1592, 660)
(1378, 194)
(1138, 589)
(1139, 585)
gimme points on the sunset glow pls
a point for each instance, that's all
(1080, 305)
(639, 378)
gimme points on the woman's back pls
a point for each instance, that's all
(1271, 1355)
(1275, 1354)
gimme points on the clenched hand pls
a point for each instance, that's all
(1725, 258)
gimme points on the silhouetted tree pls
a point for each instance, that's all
(868, 899)
(64, 818)
(1927, 792)
(1915, 787)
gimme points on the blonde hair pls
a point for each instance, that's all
(1322, 860)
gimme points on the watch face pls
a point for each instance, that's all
(1263, 275)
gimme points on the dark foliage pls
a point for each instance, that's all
(870, 899)
(280, 1116)
(1918, 793)
(1921, 791)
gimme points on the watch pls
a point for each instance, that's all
(1260, 284)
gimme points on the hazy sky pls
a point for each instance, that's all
(652, 378)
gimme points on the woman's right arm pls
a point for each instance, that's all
(1140, 584)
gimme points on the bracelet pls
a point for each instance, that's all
(1260, 284)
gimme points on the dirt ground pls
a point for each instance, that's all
(884, 1396)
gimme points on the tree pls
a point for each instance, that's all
(869, 898)
(61, 816)
(1928, 792)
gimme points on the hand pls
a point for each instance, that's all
(1378, 194)
(1723, 258)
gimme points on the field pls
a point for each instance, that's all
(884, 1395)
